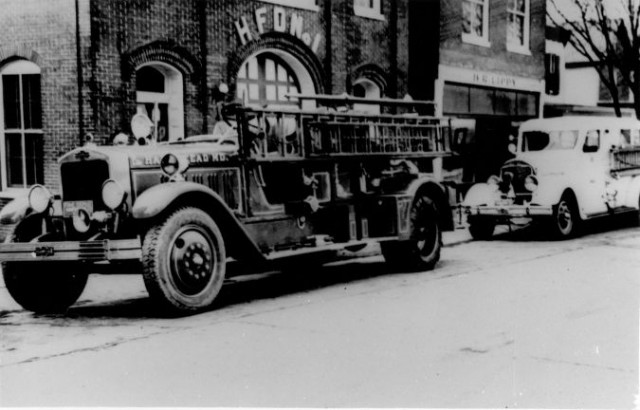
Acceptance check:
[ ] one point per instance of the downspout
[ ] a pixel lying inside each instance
(79, 74)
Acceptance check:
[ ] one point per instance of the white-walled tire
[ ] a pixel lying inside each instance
(566, 219)
(184, 261)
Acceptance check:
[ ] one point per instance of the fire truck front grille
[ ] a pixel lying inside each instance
(516, 173)
(82, 181)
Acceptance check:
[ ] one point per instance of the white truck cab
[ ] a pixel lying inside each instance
(565, 170)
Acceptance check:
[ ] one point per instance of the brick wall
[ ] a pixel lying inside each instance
(455, 52)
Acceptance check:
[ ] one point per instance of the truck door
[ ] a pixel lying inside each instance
(595, 171)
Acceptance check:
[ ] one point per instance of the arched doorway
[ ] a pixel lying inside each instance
(159, 95)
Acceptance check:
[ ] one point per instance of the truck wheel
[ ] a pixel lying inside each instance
(481, 229)
(422, 250)
(41, 287)
(184, 261)
(566, 219)
(44, 287)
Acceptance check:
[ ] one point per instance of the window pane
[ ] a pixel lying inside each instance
(243, 71)
(31, 101)
(269, 70)
(14, 160)
(456, 99)
(527, 104)
(282, 73)
(253, 92)
(472, 14)
(481, 100)
(241, 91)
(271, 92)
(149, 79)
(11, 100)
(253, 68)
(34, 158)
(516, 29)
(282, 93)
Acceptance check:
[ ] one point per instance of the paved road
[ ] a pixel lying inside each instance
(515, 322)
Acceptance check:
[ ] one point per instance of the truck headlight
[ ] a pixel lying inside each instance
(112, 194)
(39, 198)
(531, 183)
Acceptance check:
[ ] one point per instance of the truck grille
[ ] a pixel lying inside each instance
(518, 170)
(83, 181)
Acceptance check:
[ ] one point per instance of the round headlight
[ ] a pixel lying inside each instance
(112, 194)
(531, 183)
(493, 180)
(170, 164)
(39, 198)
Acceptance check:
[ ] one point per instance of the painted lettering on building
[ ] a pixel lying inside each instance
(276, 21)
(494, 80)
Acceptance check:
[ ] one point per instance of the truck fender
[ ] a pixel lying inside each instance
(633, 196)
(440, 195)
(15, 211)
(157, 199)
(481, 194)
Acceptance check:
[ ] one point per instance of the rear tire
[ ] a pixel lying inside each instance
(422, 250)
(184, 261)
(481, 229)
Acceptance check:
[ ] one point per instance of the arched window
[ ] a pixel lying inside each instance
(366, 88)
(265, 79)
(21, 143)
(159, 95)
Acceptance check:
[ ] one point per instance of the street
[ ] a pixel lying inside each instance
(519, 321)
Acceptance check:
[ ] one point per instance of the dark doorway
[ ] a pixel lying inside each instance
(492, 138)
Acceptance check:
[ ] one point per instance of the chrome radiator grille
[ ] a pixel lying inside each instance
(515, 174)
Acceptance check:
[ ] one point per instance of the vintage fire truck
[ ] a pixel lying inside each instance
(269, 187)
(566, 170)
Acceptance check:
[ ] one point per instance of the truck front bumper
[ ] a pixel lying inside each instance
(509, 211)
(81, 251)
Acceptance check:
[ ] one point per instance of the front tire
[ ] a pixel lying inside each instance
(566, 219)
(41, 287)
(481, 229)
(184, 261)
(422, 250)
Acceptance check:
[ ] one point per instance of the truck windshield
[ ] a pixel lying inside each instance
(549, 140)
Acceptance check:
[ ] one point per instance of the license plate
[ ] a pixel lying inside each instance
(69, 207)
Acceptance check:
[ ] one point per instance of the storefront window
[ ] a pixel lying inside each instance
(460, 99)
(159, 96)
(518, 25)
(266, 80)
(475, 22)
(21, 140)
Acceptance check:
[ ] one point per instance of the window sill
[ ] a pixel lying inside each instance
(368, 13)
(294, 3)
(476, 41)
(518, 50)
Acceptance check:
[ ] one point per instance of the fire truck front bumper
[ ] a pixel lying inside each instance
(81, 251)
(509, 211)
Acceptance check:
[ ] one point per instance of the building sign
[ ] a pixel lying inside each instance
(249, 29)
(494, 80)
(489, 79)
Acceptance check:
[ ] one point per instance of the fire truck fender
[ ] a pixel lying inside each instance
(439, 193)
(163, 198)
(15, 211)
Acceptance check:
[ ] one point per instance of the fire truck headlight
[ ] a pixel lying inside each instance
(170, 164)
(112, 194)
(39, 198)
(531, 183)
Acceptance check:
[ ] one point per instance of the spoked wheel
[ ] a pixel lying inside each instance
(422, 250)
(184, 261)
(566, 219)
(42, 287)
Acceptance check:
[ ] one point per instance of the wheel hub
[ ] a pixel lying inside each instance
(192, 260)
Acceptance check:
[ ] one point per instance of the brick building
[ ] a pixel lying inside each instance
(483, 62)
(74, 67)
